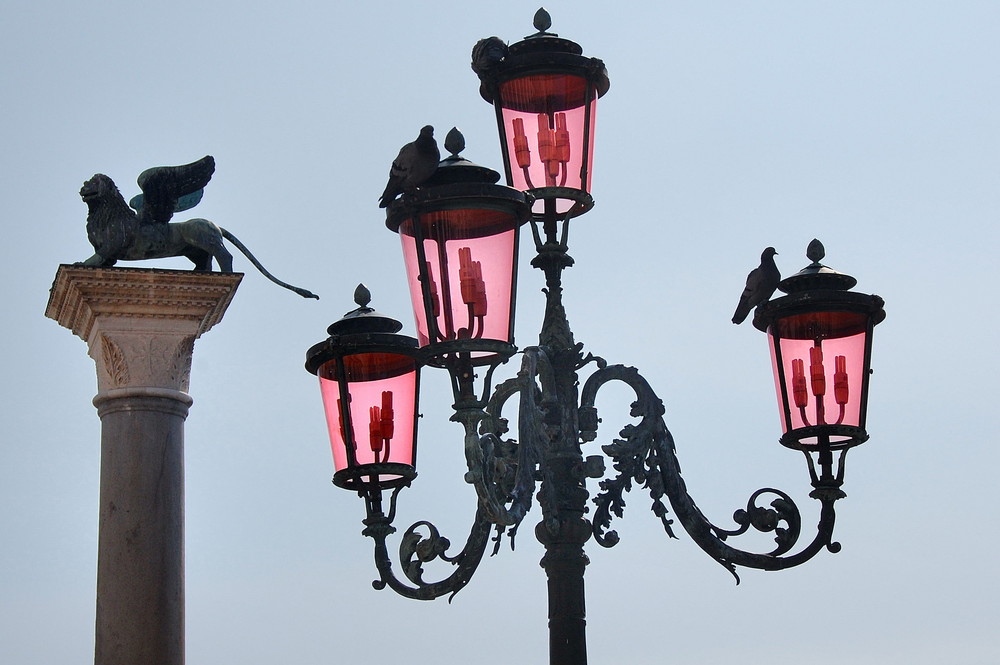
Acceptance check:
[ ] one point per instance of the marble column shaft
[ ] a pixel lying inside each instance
(140, 326)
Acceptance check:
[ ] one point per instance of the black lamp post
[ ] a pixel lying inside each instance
(459, 236)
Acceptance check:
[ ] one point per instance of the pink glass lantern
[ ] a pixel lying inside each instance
(369, 380)
(459, 234)
(820, 336)
(545, 93)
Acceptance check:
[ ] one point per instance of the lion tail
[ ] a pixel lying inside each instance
(253, 259)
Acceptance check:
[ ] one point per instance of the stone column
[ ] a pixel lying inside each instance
(140, 326)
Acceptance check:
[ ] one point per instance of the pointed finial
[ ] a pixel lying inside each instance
(542, 21)
(815, 251)
(362, 296)
(454, 142)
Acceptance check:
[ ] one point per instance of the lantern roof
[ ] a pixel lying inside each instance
(364, 319)
(460, 182)
(542, 52)
(361, 330)
(457, 169)
(816, 275)
(543, 40)
(817, 287)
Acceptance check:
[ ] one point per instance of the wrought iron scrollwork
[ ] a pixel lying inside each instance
(504, 470)
(418, 548)
(645, 455)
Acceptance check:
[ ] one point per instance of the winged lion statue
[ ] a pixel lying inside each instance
(119, 233)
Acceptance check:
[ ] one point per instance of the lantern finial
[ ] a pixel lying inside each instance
(815, 251)
(542, 21)
(454, 142)
(816, 275)
(362, 296)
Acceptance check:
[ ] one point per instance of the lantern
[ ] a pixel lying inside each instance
(369, 379)
(545, 94)
(459, 234)
(820, 336)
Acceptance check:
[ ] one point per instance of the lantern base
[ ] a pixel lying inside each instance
(366, 477)
(824, 437)
(477, 352)
(581, 202)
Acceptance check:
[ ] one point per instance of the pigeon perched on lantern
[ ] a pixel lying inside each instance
(761, 283)
(415, 163)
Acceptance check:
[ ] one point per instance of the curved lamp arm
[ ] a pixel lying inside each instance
(503, 470)
(503, 474)
(645, 454)
(418, 548)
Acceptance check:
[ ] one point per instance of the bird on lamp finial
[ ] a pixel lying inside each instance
(415, 163)
(761, 283)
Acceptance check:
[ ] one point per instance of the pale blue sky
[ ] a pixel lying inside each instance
(729, 126)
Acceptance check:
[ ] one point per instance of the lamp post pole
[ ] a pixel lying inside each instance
(140, 326)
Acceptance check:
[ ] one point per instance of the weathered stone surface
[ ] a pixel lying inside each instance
(140, 324)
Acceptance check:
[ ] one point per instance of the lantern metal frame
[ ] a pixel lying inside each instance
(544, 460)
(364, 331)
(459, 184)
(543, 54)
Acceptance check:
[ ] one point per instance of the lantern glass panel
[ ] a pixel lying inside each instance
(468, 256)
(821, 374)
(546, 119)
(381, 418)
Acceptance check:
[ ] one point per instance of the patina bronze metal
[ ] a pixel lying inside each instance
(119, 233)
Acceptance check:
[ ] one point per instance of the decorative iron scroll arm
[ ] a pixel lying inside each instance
(645, 454)
(503, 471)
(416, 549)
(503, 474)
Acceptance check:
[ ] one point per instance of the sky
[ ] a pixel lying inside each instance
(729, 126)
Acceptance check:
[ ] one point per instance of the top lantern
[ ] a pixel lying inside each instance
(545, 93)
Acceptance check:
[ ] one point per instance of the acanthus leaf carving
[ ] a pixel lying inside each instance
(115, 365)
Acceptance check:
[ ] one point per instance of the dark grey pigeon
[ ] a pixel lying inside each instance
(761, 283)
(415, 163)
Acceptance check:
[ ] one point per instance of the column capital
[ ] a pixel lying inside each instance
(140, 323)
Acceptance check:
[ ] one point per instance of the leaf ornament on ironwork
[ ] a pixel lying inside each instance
(645, 455)
(416, 550)
(782, 511)
(508, 465)
(633, 455)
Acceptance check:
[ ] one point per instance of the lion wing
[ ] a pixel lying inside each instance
(163, 186)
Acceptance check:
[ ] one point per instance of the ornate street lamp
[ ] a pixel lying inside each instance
(369, 377)
(820, 338)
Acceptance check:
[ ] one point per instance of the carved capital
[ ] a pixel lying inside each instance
(127, 359)
(140, 324)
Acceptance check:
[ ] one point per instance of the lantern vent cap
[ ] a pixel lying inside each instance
(816, 276)
(544, 40)
(364, 319)
(457, 169)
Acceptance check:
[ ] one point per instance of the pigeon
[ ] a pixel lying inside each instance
(415, 163)
(487, 53)
(761, 283)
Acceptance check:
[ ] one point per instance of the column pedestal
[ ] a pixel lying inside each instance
(140, 326)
